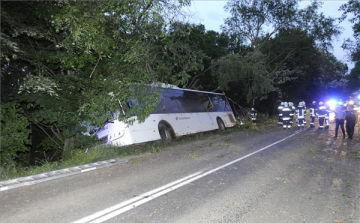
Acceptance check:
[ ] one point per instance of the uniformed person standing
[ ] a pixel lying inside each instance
(304, 104)
(339, 119)
(313, 110)
(253, 114)
(280, 108)
(327, 116)
(321, 113)
(292, 107)
(351, 120)
(287, 116)
(300, 114)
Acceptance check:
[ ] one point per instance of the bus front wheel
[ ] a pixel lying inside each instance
(221, 124)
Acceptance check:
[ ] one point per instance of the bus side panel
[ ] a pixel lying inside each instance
(145, 131)
(189, 123)
(207, 121)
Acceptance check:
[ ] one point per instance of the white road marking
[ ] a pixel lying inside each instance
(120, 208)
(4, 188)
(88, 169)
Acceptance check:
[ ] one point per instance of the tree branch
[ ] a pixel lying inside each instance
(92, 72)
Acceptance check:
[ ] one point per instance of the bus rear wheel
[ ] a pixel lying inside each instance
(221, 124)
(166, 132)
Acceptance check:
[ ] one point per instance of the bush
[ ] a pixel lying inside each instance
(15, 132)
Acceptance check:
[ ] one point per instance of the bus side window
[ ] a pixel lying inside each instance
(161, 108)
(220, 103)
(206, 102)
(170, 102)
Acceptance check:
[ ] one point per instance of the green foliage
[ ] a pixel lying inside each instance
(295, 44)
(247, 71)
(352, 7)
(249, 19)
(320, 28)
(37, 84)
(14, 132)
(69, 62)
(180, 54)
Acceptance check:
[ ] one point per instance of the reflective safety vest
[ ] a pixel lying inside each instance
(280, 108)
(287, 113)
(313, 110)
(300, 112)
(321, 112)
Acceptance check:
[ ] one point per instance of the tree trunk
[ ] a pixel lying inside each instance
(69, 142)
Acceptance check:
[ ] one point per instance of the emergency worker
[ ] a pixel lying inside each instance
(327, 115)
(300, 114)
(351, 120)
(292, 107)
(280, 108)
(313, 110)
(253, 114)
(321, 113)
(304, 104)
(287, 116)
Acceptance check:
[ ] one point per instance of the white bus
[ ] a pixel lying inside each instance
(180, 112)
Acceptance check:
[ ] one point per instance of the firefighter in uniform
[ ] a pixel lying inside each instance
(300, 114)
(253, 115)
(292, 107)
(304, 104)
(321, 113)
(313, 110)
(327, 116)
(287, 116)
(280, 108)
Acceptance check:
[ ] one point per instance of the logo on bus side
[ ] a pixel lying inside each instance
(182, 118)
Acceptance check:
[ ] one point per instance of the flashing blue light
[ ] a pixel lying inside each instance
(359, 96)
(332, 104)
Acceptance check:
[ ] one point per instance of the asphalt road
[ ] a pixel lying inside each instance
(270, 175)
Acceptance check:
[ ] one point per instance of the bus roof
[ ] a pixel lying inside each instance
(170, 86)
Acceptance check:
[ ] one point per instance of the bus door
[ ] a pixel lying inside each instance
(209, 122)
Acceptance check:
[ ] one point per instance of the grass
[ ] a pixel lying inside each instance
(346, 196)
(195, 155)
(356, 154)
(72, 158)
(79, 157)
(220, 156)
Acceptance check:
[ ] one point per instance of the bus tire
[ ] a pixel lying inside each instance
(166, 131)
(221, 124)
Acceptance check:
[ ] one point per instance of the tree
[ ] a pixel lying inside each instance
(353, 7)
(250, 19)
(247, 73)
(67, 62)
(283, 33)
(179, 54)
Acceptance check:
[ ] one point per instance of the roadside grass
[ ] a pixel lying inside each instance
(356, 154)
(75, 157)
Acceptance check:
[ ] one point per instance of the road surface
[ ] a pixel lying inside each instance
(269, 175)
